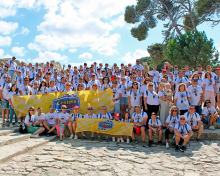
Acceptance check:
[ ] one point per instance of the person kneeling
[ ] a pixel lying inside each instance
(154, 125)
(72, 121)
(183, 133)
(62, 122)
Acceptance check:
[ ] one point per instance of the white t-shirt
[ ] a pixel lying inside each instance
(3, 78)
(19, 81)
(183, 130)
(209, 84)
(61, 86)
(106, 116)
(123, 90)
(140, 67)
(105, 86)
(192, 120)
(23, 70)
(182, 100)
(6, 88)
(34, 91)
(124, 120)
(155, 124)
(12, 65)
(43, 90)
(203, 74)
(195, 94)
(25, 90)
(139, 117)
(155, 74)
(172, 121)
(38, 118)
(32, 74)
(63, 117)
(116, 93)
(52, 89)
(27, 121)
(135, 97)
(93, 116)
(179, 81)
(90, 83)
(208, 111)
(51, 117)
(74, 117)
(152, 97)
(188, 73)
(10, 96)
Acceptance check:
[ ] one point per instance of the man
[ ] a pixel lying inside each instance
(140, 67)
(155, 73)
(156, 88)
(95, 67)
(56, 78)
(196, 94)
(70, 69)
(4, 90)
(22, 69)
(1, 67)
(36, 67)
(209, 69)
(38, 79)
(139, 119)
(12, 67)
(188, 73)
(51, 69)
(117, 95)
(104, 115)
(25, 89)
(199, 68)
(106, 69)
(175, 72)
(193, 120)
(72, 121)
(61, 85)
(85, 67)
(89, 86)
(50, 120)
(180, 80)
(139, 78)
(4, 75)
(39, 118)
(183, 133)
(19, 80)
(100, 66)
(154, 125)
(46, 68)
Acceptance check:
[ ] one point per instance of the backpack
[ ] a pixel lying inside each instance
(106, 115)
(185, 126)
(23, 128)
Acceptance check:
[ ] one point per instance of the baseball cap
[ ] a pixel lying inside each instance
(138, 130)
(95, 63)
(92, 74)
(217, 69)
(85, 63)
(51, 64)
(199, 65)
(116, 115)
(76, 107)
(122, 64)
(69, 65)
(153, 113)
(164, 70)
(90, 108)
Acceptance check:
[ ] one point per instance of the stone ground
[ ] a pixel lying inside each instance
(77, 157)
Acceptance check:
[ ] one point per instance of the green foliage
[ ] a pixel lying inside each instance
(156, 52)
(149, 61)
(191, 49)
(188, 22)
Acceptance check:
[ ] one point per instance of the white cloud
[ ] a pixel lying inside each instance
(88, 63)
(72, 50)
(7, 27)
(6, 56)
(24, 31)
(140, 53)
(49, 56)
(4, 12)
(1, 52)
(5, 41)
(19, 51)
(107, 50)
(85, 56)
(119, 22)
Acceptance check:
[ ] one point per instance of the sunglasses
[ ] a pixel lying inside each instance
(208, 102)
(174, 110)
(182, 118)
(63, 108)
(51, 108)
(135, 84)
(191, 109)
(90, 109)
(165, 77)
(94, 86)
(150, 85)
(31, 110)
(107, 79)
(79, 86)
(25, 80)
(114, 83)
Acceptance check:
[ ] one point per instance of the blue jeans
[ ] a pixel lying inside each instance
(12, 112)
(11, 74)
(199, 109)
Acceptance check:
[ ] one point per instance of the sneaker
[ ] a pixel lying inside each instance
(134, 142)
(167, 145)
(35, 136)
(118, 140)
(84, 137)
(213, 127)
(11, 125)
(76, 137)
(92, 138)
(150, 143)
(210, 127)
(182, 148)
(71, 136)
(144, 144)
(177, 148)
(198, 140)
(17, 124)
(160, 143)
(113, 139)
(107, 140)
(3, 122)
(128, 141)
(122, 140)
(48, 134)
(99, 139)
(7, 121)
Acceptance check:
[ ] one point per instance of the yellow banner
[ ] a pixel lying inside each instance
(86, 98)
(104, 126)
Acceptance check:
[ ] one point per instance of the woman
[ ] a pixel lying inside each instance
(43, 87)
(67, 87)
(209, 114)
(29, 121)
(79, 87)
(164, 103)
(105, 83)
(182, 98)
(62, 122)
(13, 91)
(35, 88)
(146, 75)
(134, 97)
(151, 101)
(144, 89)
(94, 86)
(197, 76)
(127, 73)
(171, 121)
(124, 99)
(86, 77)
(209, 88)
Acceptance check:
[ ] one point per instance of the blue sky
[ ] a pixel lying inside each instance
(75, 32)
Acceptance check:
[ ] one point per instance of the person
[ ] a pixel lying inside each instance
(134, 97)
(117, 119)
(19, 80)
(196, 95)
(193, 119)
(209, 88)
(34, 89)
(139, 119)
(31, 74)
(90, 115)
(182, 98)
(126, 119)
(154, 73)
(12, 67)
(151, 101)
(13, 91)
(179, 80)
(72, 121)
(39, 118)
(104, 115)
(90, 83)
(124, 98)
(46, 68)
(62, 122)
(42, 89)
(4, 90)
(105, 83)
(29, 121)
(183, 133)
(154, 125)
(139, 66)
(53, 88)
(22, 69)
(25, 89)
(4, 75)
(171, 121)
(209, 114)
(50, 120)
(117, 95)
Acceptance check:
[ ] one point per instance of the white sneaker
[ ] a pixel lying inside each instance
(210, 127)
(71, 136)
(11, 125)
(128, 141)
(113, 139)
(122, 140)
(118, 140)
(76, 137)
(35, 136)
(17, 124)
(213, 127)
(167, 145)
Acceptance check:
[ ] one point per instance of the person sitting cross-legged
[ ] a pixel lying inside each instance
(154, 125)
(183, 133)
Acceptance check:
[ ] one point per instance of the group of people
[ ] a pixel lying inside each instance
(163, 99)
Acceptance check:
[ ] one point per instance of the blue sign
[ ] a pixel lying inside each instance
(105, 125)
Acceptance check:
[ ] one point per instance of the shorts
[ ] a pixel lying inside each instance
(116, 108)
(124, 100)
(5, 105)
(32, 129)
(205, 121)
(134, 130)
(50, 125)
